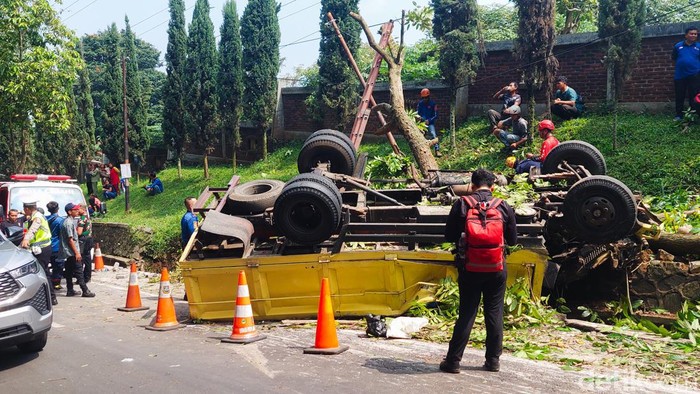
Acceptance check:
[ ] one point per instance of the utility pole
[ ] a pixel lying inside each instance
(127, 204)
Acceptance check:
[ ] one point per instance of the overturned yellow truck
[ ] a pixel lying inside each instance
(383, 249)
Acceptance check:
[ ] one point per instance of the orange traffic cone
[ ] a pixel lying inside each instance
(326, 337)
(133, 296)
(165, 315)
(97, 260)
(243, 323)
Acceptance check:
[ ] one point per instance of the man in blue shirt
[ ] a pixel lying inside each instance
(156, 186)
(428, 112)
(686, 55)
(57, 264)
(567, 103)
(189, 221)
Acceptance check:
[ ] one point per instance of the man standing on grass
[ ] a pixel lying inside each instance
(481, 226)
(686, 56)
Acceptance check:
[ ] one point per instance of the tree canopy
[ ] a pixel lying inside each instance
(39, 61)
(260, 28)
(231, 77)
(200, 75)
(336, 92)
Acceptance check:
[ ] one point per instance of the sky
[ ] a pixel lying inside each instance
(299, 21)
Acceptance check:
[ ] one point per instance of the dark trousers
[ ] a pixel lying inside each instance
(494, 117)
(44, 259)
(57, 267)
(86, 245)
(686, 88)
(471, 286)
(74, 269)
(565, 112)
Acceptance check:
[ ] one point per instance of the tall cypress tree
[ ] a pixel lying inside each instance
(86, 106)
(621, 21)
(201, 73)
(533, 49)
(261, 39)
(174, 131)
(230, 78)
(137, 107)
(336, 93)
(111, 109)
(455, 28)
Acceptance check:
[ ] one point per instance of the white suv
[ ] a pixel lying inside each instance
(25, 301)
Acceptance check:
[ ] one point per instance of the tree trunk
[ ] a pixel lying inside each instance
(233, 159)
(531, 116)
(415, 138)
(264, 145)
(206, 165)
(179, 168)
(453, 122)
(677, 244)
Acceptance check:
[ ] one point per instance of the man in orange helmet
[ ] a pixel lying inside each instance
(546, 131)
(428, 112)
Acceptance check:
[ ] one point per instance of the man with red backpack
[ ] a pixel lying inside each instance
(481, 226)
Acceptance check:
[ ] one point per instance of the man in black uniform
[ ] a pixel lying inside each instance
(476, 277)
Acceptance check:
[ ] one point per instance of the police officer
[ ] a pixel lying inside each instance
(38, 239)
(478, 277)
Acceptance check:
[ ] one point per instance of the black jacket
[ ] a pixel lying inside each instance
(458, 215)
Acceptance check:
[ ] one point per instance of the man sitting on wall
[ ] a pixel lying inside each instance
(512, 132)
(567, 103)
(509, 97)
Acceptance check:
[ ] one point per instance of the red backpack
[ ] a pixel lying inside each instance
(483, 228)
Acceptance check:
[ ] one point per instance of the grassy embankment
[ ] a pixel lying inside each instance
(654, 157)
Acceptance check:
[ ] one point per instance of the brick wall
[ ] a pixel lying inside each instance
(651, 82)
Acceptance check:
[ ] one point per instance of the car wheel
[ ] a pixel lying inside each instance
(35, 345)
(331, 149)
(254, 197)
(575, 152)
(307, 212)
(600, 209)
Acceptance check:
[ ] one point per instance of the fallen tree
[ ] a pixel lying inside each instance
(398, 119)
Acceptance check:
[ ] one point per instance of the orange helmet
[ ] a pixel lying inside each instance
(510, 161)
(546, 125)
(425, 92)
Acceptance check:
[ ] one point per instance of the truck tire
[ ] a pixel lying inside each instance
(600, 209)
(575, 152)
(320, 179)
(307, 212)
(324, 148)
(339, 134)
(254, 197)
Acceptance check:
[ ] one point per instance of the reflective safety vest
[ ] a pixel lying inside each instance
(42, 237)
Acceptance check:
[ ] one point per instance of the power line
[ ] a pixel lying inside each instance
(77, 12)
(143, 20)
(288, 3)
(70, 5)
(296, 12)
(158, 25)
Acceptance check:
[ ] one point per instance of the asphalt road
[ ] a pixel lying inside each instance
(94, 348)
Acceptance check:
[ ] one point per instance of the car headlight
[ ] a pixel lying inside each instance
(31, 268)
